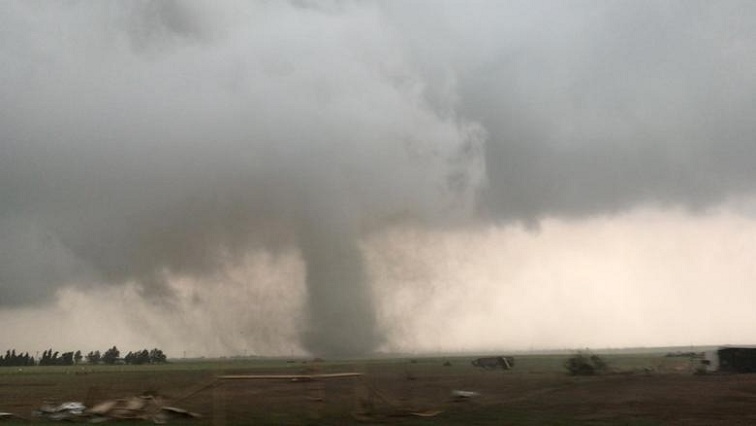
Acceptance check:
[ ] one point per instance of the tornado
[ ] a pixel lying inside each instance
(341, 315)
(167, 142)
(146, 145)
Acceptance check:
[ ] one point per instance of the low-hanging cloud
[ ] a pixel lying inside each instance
(595, 107)
(148, 140)
(144, 141)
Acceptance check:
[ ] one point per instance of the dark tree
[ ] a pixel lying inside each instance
(67, 358)
(157, 356)
(94, 357)
(154, 356)
(46, 358)
(111, 355)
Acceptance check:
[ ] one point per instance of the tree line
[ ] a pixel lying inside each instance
(110, 356)
(12, 359)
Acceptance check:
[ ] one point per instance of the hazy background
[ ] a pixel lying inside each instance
(346, 177)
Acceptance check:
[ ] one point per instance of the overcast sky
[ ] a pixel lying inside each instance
(348, 177)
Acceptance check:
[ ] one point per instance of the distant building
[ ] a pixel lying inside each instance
(731, 359)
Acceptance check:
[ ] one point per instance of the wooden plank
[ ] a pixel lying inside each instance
(288, 376)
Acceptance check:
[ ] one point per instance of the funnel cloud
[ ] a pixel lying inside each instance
(145, 143)
(148, 140)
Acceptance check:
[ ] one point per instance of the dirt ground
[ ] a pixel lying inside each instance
(535, 392)
(514, 398)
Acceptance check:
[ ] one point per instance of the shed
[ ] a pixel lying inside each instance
(737, 359)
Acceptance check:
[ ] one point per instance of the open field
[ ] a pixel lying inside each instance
(645, 389)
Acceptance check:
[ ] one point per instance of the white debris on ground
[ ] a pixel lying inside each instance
(146, 408)
(7, 416)
(461, 395)
(64, 411)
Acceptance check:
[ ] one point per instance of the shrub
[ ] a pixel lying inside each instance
(584, 364)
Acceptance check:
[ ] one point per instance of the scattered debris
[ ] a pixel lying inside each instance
(305, 377)
(8, 416)
(172, 413)
(132, 408)
(135, 407)
(461, 395)
(429, 413)
(494, 362)
(64, 411)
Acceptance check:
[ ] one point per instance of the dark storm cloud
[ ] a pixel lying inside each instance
(142, 140)
(600, 107)
(148, 140)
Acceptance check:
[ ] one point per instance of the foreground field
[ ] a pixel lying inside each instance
(640, 390)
